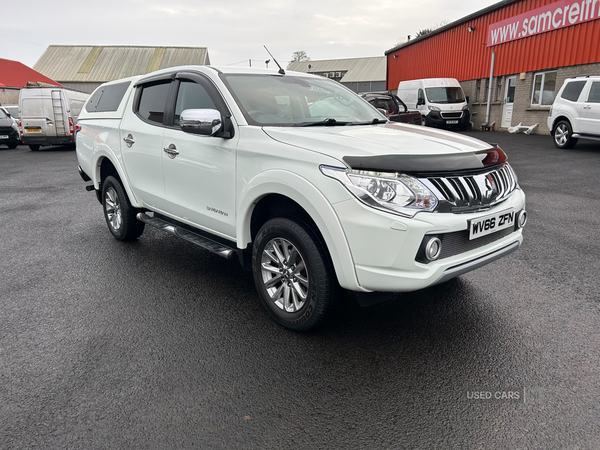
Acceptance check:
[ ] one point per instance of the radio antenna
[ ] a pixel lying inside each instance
(281, 71)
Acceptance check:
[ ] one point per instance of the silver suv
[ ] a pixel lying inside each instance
(575, 112)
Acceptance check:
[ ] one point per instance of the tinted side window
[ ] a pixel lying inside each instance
(93, 101)
(191, 96)
(153, 99)
(572, 90)
(112, 96)
(594, 96)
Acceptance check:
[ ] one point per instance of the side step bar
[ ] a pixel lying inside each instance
(194, 238)
(586, 136)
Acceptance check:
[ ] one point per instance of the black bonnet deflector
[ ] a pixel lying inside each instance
(457, 162)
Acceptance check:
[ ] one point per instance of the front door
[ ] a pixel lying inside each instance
(199, 172)
(509, 99)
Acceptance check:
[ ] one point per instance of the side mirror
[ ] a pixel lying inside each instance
(420, 101)
(467, 98)
(206, 122)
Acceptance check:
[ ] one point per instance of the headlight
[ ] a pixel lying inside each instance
(394, 192)
(466, 108)
(433, 108)
(15, 126)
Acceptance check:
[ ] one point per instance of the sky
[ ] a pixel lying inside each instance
(234, 31)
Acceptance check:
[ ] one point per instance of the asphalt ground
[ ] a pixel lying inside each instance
(161, 345)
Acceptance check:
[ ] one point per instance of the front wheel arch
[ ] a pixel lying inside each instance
(293, 274)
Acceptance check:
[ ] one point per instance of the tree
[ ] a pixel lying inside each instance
(425, 31)
(299, 56)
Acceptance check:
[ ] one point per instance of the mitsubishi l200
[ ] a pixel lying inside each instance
(299, 179)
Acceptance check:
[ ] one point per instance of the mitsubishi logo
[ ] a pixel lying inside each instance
(491, 190)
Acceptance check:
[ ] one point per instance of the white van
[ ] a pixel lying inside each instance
(441, 101)
(48, 115)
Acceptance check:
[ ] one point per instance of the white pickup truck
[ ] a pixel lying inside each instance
(299, 179)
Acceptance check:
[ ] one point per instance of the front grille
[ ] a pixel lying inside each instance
(6, 130)
(451, 115)
(474, 191)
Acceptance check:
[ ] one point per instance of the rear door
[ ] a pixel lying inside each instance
(141, 135)
(37, 116)
(590, 110)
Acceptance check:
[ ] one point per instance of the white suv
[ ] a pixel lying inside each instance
(576, 111)
(301, 180)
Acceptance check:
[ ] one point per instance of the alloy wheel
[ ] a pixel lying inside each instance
(284, 275)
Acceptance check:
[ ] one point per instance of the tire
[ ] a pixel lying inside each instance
(12, 146)
(118, 212)
(34, 148)
(299, 296)
(563, 135)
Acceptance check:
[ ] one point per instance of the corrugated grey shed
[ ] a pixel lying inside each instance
(106, 63)
(358, 69)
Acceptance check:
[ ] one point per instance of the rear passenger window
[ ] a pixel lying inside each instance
(152, 101)
(191, 96)
(594, 96)
(572, 90)
(107, 98)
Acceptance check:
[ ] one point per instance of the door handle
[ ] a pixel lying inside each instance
(129, 140)
(171, 151)
(587, 106)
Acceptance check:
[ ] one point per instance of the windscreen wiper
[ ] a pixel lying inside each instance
(371, 122)
(327, 122)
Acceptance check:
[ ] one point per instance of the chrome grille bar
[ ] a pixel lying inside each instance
(473, 192)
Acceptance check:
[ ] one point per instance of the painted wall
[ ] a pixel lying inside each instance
(465, 55)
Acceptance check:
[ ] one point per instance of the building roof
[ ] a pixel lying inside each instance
(476, 14)
(16, 74)
(87, 63)
(358, 69)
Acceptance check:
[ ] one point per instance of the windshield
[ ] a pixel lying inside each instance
(13, 111)
(452, 94)
(2, 114)
(293, 101)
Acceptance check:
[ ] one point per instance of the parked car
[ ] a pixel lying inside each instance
(441, 101)
(48, 115)
(575, 113)
(300, 180)
(394, 108)
(9, 129)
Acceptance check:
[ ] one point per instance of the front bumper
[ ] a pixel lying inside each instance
(12, 136)
(385, 246)
(437, 119)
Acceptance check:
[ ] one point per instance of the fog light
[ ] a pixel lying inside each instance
(433, 249)
(522, 219)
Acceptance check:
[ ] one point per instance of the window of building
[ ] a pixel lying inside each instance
(544, 84)
(499, 93)
(594, 96)
(478, 91)
(486, 88)
(152, 101)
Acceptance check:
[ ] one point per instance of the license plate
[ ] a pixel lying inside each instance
(33, 130)
(451, 122)
(490, 224)
(4, 136)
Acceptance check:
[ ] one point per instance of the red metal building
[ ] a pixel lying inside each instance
(537, 44)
